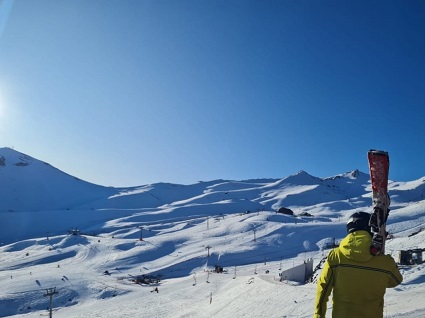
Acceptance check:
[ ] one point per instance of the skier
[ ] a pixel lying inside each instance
(358, 279)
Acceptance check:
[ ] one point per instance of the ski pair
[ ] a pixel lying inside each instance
(379, 164)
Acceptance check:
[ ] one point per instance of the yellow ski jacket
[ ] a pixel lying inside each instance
(357, 278)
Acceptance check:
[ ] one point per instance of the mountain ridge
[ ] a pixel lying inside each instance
(35, 185)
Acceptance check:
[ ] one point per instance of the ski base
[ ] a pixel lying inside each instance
(379, 167)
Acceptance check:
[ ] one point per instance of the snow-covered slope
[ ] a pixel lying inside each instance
(180, 233)
(30, 185)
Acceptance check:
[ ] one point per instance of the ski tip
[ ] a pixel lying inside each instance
(378, 152)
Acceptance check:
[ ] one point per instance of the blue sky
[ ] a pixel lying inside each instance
(125, 93)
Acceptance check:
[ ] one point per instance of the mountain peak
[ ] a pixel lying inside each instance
(36, 185)
(301, 178)
(9, 156)
(355, 173)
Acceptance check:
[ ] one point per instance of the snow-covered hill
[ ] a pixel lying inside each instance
(180, 233)
(32, 185)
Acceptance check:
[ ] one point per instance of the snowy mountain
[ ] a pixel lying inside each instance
(30, 184)
(180, 233)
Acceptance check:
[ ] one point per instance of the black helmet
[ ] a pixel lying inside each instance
(358, 221)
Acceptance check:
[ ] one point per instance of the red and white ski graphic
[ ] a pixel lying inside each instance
(379, 164)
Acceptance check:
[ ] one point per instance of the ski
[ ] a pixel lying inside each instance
(379, 164)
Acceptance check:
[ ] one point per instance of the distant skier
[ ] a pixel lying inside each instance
(358, 279)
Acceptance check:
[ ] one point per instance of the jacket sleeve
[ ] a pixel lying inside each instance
(396, 277)
(324, 289)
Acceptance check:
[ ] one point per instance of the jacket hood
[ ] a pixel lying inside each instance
(356, 246)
